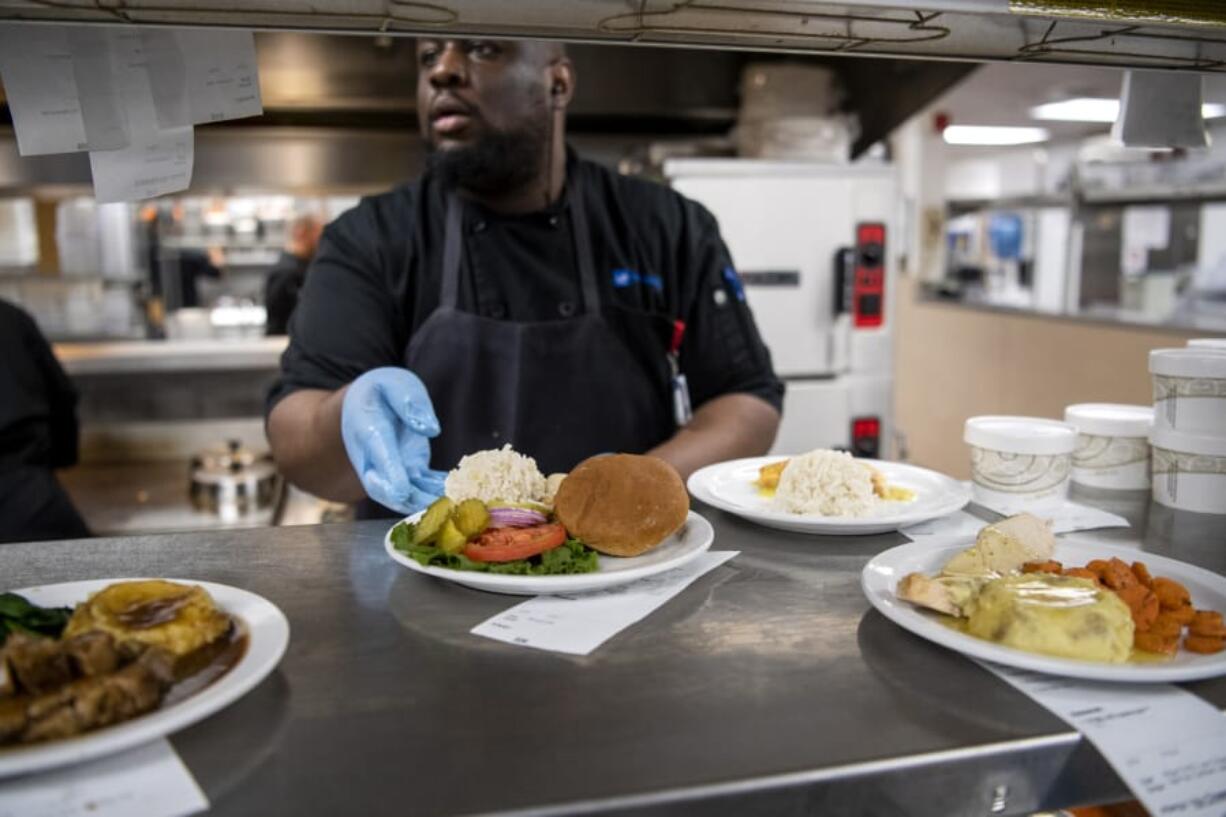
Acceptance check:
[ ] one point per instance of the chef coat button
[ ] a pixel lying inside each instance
(479, 227)
(553, 221)
(566, 309)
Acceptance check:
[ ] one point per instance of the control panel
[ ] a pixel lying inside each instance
(868, 282)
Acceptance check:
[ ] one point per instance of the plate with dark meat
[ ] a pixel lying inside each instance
(90, 668)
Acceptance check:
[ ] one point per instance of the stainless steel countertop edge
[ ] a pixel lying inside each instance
(794, 779)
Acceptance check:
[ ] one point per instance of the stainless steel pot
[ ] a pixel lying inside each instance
(234, 482)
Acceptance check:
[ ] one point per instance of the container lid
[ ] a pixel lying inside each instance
(1188, 362)
(1110, 419)
(1021, 435)
(1185, 443)
(1207, 343)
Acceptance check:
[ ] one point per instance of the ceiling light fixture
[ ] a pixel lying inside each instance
(992, 135)
(1101, 109)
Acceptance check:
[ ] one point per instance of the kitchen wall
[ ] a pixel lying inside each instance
(954, 362)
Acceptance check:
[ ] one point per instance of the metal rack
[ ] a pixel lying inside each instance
(1067, 31)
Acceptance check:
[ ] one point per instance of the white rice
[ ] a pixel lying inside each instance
(497, 475)
(826, 483)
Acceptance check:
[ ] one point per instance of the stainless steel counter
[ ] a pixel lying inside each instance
(768, 687)
(146, 356)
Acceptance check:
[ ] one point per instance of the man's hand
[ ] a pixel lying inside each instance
(386, 422)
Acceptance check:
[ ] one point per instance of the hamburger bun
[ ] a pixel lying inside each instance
(622, 504)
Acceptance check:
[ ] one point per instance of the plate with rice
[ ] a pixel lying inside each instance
(828, 492)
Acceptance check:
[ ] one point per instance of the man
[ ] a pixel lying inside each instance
(514, 294)
(38, 433)
(285, 279)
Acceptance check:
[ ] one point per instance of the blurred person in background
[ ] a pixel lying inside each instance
(287, 276)
(38, 433)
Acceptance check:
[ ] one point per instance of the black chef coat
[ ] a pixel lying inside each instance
(281, 289)
(38, 432)
(376, 278)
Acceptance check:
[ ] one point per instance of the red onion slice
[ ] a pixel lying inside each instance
(515, 518)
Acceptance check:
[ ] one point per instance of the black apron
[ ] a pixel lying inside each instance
(559, 391)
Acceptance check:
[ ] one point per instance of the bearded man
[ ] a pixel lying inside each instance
(513, 294)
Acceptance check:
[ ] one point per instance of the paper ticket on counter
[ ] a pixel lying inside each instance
(578, 624)
(150, 780)
(1167, 745)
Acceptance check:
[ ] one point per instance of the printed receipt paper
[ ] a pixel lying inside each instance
(1167, 745)
(580, 623)
(157, 160)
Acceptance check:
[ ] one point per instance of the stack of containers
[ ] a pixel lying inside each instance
(1189, 435)
(1112, 445)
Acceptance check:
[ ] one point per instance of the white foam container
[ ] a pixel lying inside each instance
(1112, 445)
(1019, 462)
(1208, 343)
(1189, 471)
(1189, 390)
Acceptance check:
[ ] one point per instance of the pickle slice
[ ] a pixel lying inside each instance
(471, 517)
(450, 540)
(431, 522)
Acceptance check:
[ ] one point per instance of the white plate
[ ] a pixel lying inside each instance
(1208, 590)
(694, 538)
(730, 486)
(267, 634)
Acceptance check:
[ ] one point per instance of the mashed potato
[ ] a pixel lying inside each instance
(826, 483)
(180, 618)
(497, 475)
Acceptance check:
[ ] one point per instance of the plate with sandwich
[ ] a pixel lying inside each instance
(828, 492)
(1017, 596)
(504, 527)
(90, 668)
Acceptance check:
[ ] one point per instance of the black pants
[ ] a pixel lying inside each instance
(35, 507)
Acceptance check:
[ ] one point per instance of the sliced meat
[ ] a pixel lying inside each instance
(92, 653)
(57, 722)
(39, 664)
(8, 684)
(88, 703)
(13, 719)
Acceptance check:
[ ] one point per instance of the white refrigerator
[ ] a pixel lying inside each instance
(811, 243)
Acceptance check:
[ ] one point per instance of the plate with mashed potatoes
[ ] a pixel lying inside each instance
(1017, 596)
(128, 661)
(828, 492)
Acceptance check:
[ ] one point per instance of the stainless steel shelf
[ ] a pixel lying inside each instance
(978, 30)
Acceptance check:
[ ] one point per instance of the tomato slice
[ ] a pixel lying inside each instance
(509, 544)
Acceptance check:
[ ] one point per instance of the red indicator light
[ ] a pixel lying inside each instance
(863, 427)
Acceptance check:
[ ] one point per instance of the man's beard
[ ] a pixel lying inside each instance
(497, 161)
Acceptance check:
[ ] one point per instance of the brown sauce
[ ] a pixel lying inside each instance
(208, 664)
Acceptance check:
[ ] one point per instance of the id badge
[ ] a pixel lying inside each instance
(682, 412)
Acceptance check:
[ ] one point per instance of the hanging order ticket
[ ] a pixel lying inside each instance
(1167, 745)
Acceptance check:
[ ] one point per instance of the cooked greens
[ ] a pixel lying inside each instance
(17, 614)
(570, 557)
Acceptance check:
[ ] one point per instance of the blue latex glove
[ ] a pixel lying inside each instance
(386, 422)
